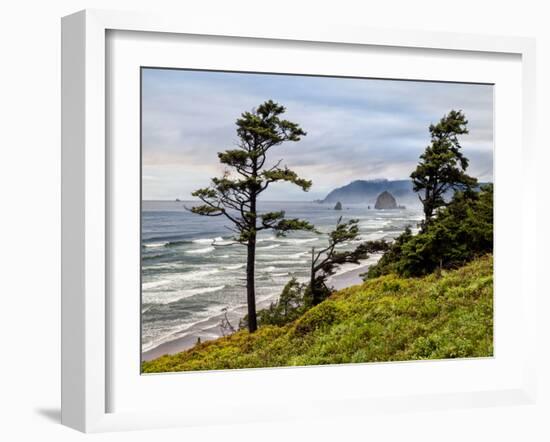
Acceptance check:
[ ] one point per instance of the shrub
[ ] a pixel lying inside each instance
(460, 232)
(291, 304)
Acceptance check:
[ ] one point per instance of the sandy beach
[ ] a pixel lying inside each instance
(349, 275)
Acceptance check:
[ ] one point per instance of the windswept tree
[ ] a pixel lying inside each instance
(442, 166)
(324, 261)
(235, 194)
(296, 297)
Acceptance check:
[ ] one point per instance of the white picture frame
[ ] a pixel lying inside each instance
(86, 208)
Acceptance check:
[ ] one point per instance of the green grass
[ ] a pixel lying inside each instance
(384, 319)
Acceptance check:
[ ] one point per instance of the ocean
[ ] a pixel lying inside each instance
(192, 272)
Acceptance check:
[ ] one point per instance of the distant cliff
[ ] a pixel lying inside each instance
(366, 191)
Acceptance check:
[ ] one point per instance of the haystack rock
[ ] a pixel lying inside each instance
(338, 206)
(385, 201)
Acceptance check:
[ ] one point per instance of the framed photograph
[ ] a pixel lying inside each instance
(292, 223)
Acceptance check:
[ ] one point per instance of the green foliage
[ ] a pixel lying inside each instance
(460, 232)
(325, 261)
(385, 319)
(452, 233)
(442, 165)
(387, 263)
(283, 226)
(235, 193)
(291, 304)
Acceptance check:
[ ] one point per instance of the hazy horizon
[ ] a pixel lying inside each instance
(357, 129)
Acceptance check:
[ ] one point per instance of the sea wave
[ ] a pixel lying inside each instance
(207, 240)
(155, 256)
(234, 267)
(269, 257)
(171, 297)
(175, 243)
(295, 240)
(272, 246)
(297, 255)
(200, 251)
(155, 245)
(288, 261)
(196, 275)
(374, 224)
(228, 242)
(159, 337)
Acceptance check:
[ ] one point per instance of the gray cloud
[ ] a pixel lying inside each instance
(356, 128)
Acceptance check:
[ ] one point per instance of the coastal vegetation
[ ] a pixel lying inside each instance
(442, 166)
(389, 318)
(459, 232)
(325, 260)
(296, 298)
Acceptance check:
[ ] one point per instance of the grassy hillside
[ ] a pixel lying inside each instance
(384, 319)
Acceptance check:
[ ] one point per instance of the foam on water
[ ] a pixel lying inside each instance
(167, 279)
(171, 297)
(288, 262)
(155, 244)
(203, 250)
(272, 246)
(207, 240)
(296, 240)
(235, 267)
(153, 337)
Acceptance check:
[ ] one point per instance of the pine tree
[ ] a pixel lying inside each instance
(325, 261)
(442, 166)
(235, 194)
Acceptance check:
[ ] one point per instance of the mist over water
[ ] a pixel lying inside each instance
(191, 269)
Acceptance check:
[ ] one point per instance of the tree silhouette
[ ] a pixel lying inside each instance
(235, 194)
(442, 166)
(326, 260)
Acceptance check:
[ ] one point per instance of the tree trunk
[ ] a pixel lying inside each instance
(250, 266)
(312, 277)
(250, 288)
(428, 206)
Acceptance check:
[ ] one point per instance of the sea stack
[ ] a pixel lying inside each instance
(385, 201)
(338, 206)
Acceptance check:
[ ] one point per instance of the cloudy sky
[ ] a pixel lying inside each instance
(356, 128)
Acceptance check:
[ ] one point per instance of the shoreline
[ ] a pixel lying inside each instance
(209, 329)
(349, 276)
